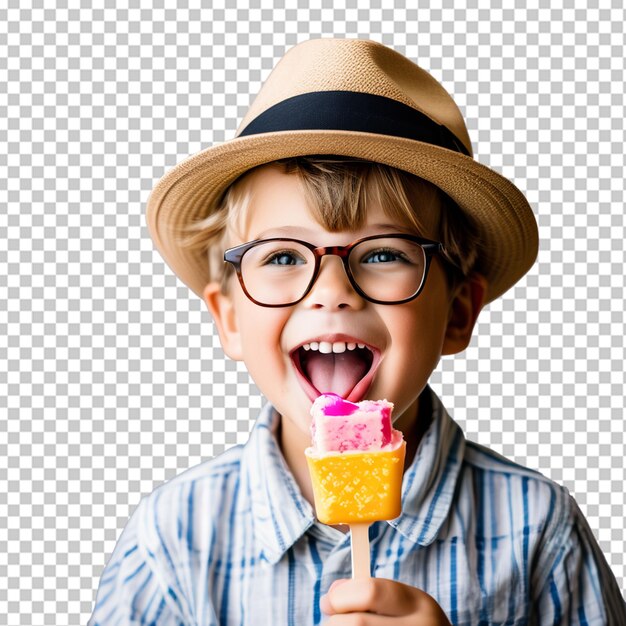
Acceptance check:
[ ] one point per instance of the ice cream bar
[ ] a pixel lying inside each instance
(356, 461)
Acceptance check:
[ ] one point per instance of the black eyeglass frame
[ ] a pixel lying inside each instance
(430, 248)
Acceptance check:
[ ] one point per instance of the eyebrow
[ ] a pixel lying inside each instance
(300, 232)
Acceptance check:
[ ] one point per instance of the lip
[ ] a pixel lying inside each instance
(360, 389)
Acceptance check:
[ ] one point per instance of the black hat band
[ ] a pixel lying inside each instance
(353, 111)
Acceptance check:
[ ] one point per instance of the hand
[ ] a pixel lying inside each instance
(380, 602)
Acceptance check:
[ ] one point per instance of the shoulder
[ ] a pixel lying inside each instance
(162, 542)
(545, 535)
(530, 508)
(537, 499)
(215, 471)
(208, 478)
(181, 513)
(484, 464)
(179, 528)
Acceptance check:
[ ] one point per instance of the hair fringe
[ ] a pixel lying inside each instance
(338, 191)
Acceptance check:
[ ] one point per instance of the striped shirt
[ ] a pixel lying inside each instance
(233, 541)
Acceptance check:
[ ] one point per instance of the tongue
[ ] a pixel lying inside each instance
(335, 373)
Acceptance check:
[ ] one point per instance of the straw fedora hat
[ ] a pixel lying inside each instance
(353, 98)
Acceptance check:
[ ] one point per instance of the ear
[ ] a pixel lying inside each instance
(465, 305)
(222, 310)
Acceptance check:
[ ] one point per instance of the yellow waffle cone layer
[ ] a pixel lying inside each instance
(357, 487)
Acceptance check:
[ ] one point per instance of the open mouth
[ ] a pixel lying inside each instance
(345, 368)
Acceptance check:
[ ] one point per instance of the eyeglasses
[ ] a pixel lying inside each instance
(384, 269)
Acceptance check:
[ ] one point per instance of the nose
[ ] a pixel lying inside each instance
(332, 289)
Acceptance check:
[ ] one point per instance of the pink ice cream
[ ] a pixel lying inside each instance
(339, 425)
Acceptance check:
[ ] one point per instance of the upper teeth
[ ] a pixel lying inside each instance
(326, 347)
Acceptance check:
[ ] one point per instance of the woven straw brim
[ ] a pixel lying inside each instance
(191, 190)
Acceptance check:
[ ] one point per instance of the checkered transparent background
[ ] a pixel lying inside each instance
(111, 378)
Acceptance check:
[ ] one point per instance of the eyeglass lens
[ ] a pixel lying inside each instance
(387, 269)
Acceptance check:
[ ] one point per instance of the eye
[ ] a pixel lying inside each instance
(383, 255)
(285, 257)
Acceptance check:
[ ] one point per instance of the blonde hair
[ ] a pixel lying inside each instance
(338, 191)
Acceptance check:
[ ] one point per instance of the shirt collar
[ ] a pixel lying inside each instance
(281, 515)
(430, 481)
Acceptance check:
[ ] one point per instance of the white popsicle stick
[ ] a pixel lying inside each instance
(360, 540)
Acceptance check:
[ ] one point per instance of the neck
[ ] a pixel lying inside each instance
(414, 423)
(293, 442)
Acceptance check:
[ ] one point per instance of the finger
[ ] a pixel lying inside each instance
(373, 595)
(366, 619)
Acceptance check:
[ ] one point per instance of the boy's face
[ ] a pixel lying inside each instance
(405, 340)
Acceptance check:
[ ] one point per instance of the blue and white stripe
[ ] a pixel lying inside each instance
(233, 542)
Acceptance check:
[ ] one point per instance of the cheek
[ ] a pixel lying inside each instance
(418, 334)
(261, 330)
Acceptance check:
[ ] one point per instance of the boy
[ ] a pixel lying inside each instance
(361, 240)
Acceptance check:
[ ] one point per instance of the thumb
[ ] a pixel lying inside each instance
(325, 604)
